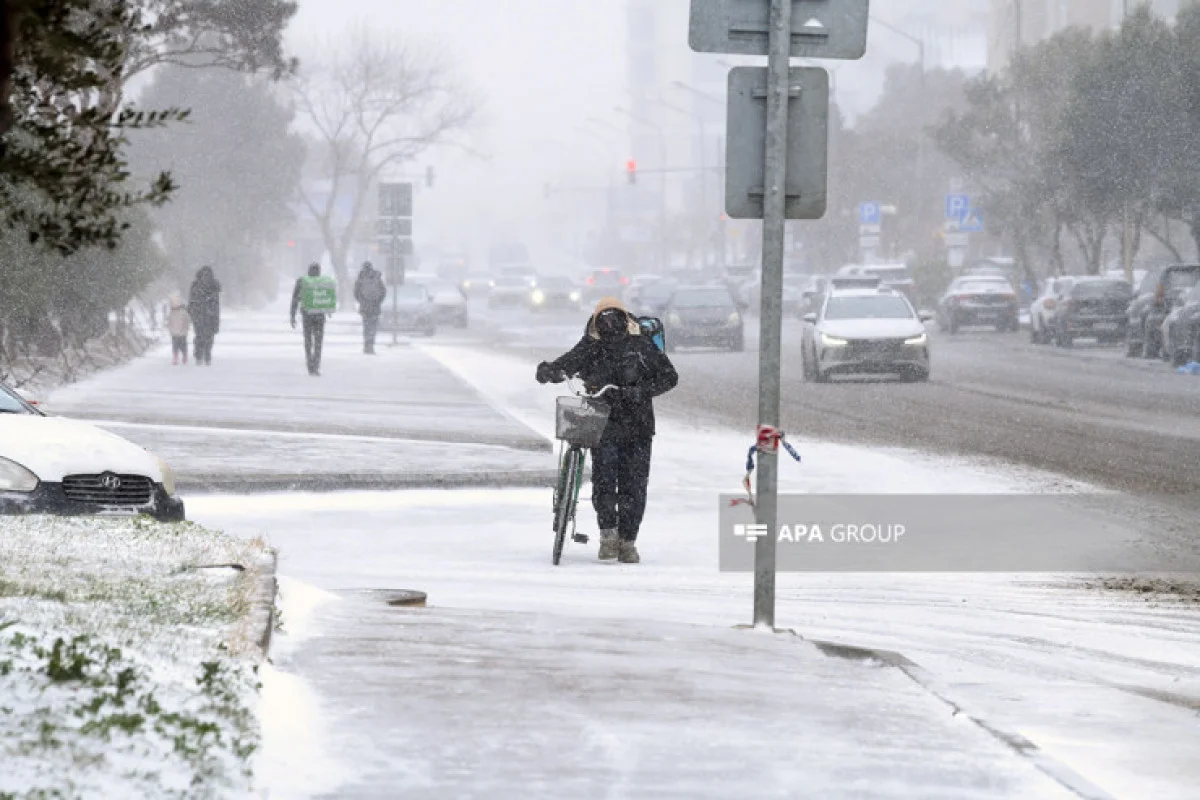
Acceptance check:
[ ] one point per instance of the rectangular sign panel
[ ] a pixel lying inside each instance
(820, 28)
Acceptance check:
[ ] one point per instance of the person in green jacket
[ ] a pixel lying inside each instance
(314, 324)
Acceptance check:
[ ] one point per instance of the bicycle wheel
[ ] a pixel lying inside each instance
(568, 492)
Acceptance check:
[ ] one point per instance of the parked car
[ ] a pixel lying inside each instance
(555, 292)
(511, 291)
(413, 311)
(706, 316)
(604, 282)
(1094, 307)
(51, 465)
(861, 330)
(652, 299)
(979, 300)
(449, 303)
(1181, 330)
(1160, 292)
(477, 283)
(1043, 308)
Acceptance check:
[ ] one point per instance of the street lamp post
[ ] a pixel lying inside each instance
(704, 209)
(723, 245)
(664, 250)
(919, 194)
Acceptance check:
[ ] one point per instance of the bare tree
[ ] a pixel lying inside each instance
(373, 102)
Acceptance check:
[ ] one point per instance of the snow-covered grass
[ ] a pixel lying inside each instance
(128, 658)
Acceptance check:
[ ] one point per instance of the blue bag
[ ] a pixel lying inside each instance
(653, 327)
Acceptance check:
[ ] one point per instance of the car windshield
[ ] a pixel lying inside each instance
(1105, 289)
(556, 283)
(983, 285)
(884, 306)
(703, 298)
(606, 276)
(10, 404)
(658, 290)
(511, 280)
(411, 292)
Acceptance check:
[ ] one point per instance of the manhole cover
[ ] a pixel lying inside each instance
(406, 597)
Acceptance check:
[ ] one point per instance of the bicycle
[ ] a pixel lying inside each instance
(579, 423)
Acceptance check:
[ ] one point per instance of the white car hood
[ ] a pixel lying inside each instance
(871, 328)
(52, 448)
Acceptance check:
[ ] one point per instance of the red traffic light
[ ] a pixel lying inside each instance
(631, 170)
(291, 243)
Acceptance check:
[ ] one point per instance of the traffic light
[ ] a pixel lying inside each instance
(429, 175)
(631, 171)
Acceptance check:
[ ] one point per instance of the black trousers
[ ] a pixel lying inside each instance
(314, 340)
(620, 476)
(204, 345)
(370, 328)
(179, 346)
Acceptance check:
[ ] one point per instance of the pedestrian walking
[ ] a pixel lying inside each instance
(204, 307)
(615, 351)
(178, 324)
(316, 297)
(370, 292)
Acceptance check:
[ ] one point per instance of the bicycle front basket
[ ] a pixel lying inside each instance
(581, 420)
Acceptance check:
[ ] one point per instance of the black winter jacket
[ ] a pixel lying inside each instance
(632, 360)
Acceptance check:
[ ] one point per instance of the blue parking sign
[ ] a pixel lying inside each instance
(957, 207)
(869, 214)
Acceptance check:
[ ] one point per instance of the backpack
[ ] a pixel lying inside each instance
(653, 327)
(318, 294)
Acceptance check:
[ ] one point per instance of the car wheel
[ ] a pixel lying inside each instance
(915, 376)
(1150, 343)
(738, 344)
(819, 376)
(1035, 333)
(1063, 339)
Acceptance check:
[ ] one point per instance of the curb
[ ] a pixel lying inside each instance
(529, 442)
(263, 484)
(263, 611)
(1062, 774)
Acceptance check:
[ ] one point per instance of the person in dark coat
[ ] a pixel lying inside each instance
(614, 351)
(204, 307)
(370, 292)
(314, 325)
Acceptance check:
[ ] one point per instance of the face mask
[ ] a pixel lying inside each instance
(611, 325)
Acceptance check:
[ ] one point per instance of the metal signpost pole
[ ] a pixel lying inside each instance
(771, 321)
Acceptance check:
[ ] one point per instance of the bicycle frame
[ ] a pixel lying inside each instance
(571, 462)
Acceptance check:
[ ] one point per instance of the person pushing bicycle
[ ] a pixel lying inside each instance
(613, 351)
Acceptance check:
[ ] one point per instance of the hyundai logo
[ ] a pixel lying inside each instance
(110, 482)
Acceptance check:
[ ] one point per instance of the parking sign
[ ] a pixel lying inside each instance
(869, 213)
(957, 206)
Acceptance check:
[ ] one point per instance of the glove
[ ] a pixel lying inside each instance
(547, 373)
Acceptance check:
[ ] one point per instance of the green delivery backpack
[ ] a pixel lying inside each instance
(318, 294)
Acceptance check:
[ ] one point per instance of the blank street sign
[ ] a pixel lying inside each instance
(820, 28)
(807, 150)
(395, 200)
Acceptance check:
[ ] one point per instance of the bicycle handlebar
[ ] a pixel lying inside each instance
(581, 391)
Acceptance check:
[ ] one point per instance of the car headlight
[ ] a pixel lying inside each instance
(168, 476)
(735, 318)
(16, 478)
(832, 341)
(539, 296)
(466, 284)
(921, 338)
(673, 319)
(576, 297)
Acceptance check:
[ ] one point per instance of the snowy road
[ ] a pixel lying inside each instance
(617, 681)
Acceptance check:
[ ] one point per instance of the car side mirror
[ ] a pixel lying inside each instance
(810, 318)
(925, 316)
